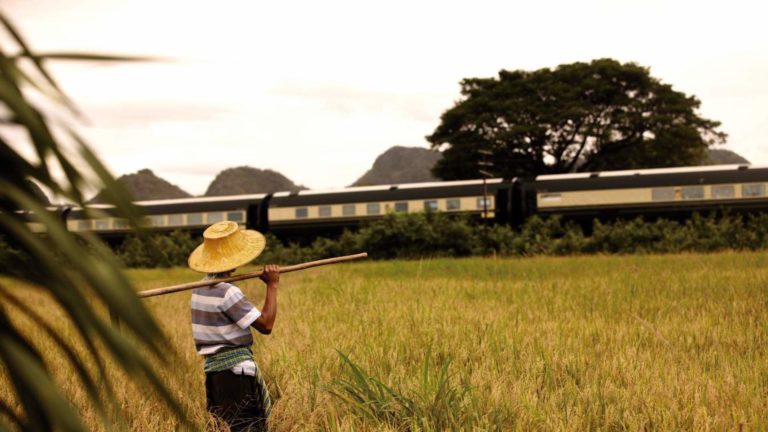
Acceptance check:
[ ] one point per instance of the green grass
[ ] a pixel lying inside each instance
(675, 342)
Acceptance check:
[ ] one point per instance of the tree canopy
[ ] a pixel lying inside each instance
(602, 115)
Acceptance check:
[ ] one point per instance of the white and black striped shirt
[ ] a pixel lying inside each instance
(221, 318)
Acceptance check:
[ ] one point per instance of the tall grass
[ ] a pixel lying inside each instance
(657, 342)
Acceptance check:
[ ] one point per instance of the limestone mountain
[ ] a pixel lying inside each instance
(723, 156)
(144, 185)
(248, 180)
(401, 165)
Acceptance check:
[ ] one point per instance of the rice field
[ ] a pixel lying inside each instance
(675, 342)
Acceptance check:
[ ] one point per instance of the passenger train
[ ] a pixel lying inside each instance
(669, 192)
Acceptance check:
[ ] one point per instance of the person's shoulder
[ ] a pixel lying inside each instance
(229, 289)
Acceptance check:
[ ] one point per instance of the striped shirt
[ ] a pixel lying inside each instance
(221, 318)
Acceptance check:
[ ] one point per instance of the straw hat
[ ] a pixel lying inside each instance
(226, 247)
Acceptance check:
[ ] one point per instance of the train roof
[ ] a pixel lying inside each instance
(388, 187)
(656, 177)
(650, 171)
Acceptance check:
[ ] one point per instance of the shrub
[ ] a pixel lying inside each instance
(431, 234)
(156, 250)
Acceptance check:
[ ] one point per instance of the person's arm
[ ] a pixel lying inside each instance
(271, 277)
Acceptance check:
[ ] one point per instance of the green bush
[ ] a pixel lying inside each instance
(158, 250)
(432, 234)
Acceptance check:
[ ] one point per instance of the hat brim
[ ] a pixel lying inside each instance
(252, 246)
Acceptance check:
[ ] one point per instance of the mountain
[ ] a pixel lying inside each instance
(145, 185)
(247, 180)
(723, 156)
(401, 165)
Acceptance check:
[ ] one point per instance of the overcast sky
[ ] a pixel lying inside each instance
(317, 89)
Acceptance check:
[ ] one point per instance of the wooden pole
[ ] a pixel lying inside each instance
(288, 269)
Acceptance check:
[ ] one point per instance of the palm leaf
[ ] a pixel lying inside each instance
(73, 270)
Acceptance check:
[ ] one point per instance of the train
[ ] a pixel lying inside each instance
(672, 193)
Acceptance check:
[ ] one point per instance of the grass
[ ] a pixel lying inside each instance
(675, 342)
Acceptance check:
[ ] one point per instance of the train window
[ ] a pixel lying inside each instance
(348, 210)
(723, 191)
(453, 204)
(753, 190)
(102, 224)
(84, 225)
(482, 202)
(120, 224)
(301, 212)
(236, 216)
(175, 220)
(663, 194)
(156, 220)
(373, 208)
(430, 205)
(401, 206)
(195, 219)
(551, 197)
(324, 211)
(215, 217)
(692, 192)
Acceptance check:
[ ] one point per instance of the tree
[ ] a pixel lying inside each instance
(79, 273)
(602, 115)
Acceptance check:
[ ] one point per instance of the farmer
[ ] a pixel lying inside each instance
(221, 321)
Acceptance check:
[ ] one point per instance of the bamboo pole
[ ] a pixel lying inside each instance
(287, 269)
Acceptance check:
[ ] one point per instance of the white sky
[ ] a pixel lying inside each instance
(317, 89)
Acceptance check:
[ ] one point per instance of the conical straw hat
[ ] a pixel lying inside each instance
(226, 247)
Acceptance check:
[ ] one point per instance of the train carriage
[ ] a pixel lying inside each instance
(326, 212)
(672, 193)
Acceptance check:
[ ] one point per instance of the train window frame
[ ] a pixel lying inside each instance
(453, 204)
(430, 205)
(373, 208)
(156, 220)
(192, 217)
(663, 194)
(481, 200)
(324, 211)
(301, 213)
(214, 217)
(757, 188)
(723, 191)
(551, 197)
(239, 216)
(348, 210)
(175, 219)
(692, 193)
(401, 207)
(120, 223)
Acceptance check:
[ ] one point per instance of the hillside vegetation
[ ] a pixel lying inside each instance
(247, 180)
(144, 185)
(401, 165)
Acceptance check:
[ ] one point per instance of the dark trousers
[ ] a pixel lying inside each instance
(237, 400)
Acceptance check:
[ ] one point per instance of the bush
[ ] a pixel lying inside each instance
(158, 250)
(434, 234)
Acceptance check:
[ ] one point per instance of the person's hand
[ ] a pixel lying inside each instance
(271, 274)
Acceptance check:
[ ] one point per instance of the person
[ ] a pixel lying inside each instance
(221, 320)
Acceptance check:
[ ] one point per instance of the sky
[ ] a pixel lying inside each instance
(316, 90)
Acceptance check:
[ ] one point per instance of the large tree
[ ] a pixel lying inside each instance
(602, 115)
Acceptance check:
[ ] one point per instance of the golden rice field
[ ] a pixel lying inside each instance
(581, 343)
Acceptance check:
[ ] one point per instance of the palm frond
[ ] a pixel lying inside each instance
(78, 272)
